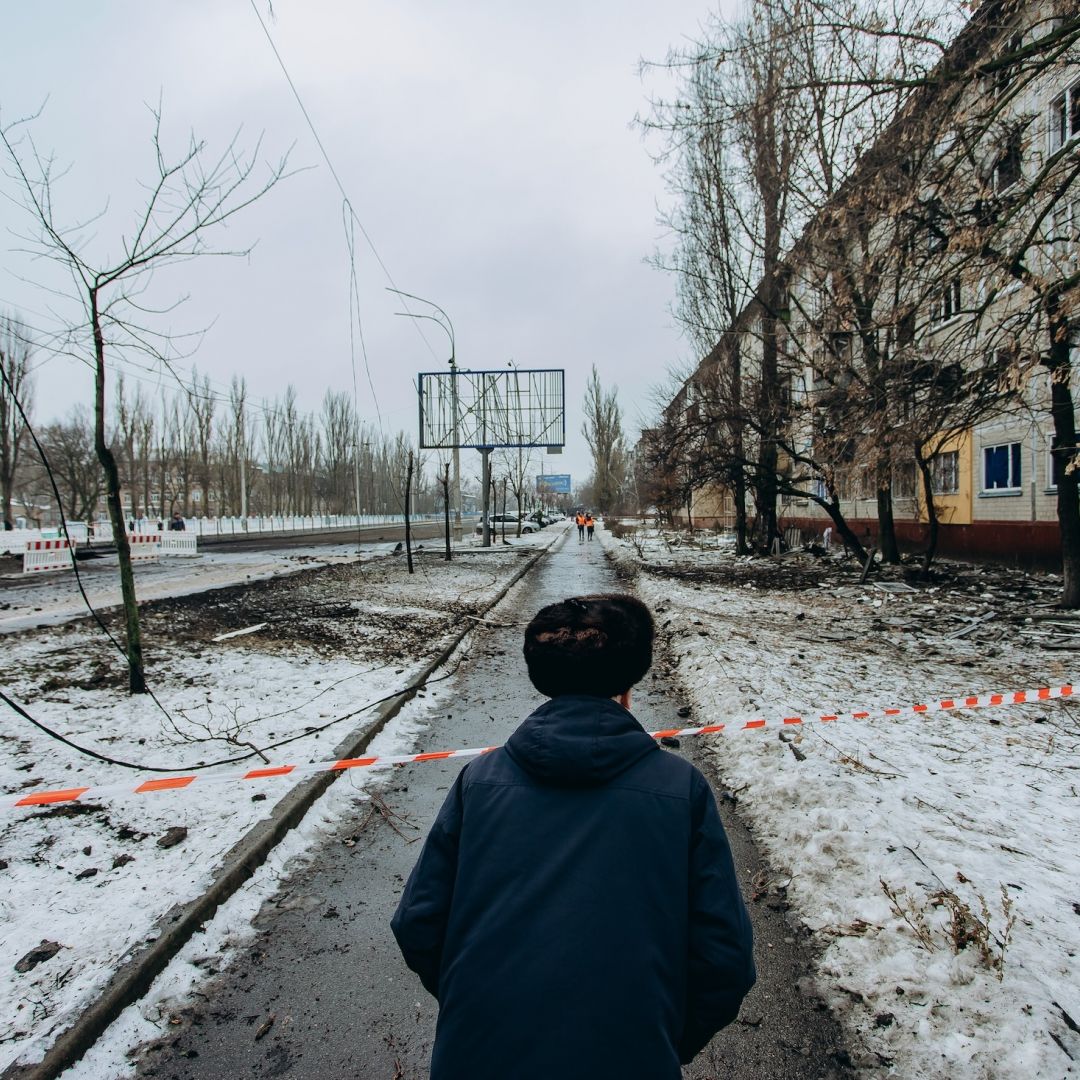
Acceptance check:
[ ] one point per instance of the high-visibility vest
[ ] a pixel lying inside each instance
(581, 519)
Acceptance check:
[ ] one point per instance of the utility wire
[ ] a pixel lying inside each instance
(330, 164)
(17, 708)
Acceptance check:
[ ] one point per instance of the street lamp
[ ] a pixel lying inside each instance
(448, 327)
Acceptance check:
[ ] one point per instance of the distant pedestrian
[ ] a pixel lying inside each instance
(177, 524)
(580, 519)
(590, 524)
(575, 909)
(826, 539)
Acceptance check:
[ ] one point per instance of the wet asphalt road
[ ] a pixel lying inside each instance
(326, 969)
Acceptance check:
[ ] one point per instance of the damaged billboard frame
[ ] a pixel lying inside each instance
(492, 409)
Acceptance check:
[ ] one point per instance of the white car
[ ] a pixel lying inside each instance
(511, 522)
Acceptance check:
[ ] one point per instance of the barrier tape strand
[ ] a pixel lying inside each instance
(174, 783)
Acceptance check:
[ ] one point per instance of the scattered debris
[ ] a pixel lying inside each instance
(241, 633)
(174, 836)
(790, 739)
(38, 955)
(965, 630)
(265, 1026)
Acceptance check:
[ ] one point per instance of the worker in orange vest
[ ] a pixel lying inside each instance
(580, 526)
(590, 524)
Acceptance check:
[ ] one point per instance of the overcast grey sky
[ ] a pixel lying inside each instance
(487, 148)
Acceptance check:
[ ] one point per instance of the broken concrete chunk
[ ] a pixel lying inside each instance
(174, 836)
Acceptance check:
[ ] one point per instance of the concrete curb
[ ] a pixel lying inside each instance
(134, 977)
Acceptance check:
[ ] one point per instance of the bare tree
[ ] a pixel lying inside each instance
(603, 431)
(202, 404)
(772, 115)
(69, 449)
(338, 427)
(189, 196)
(16, 405)
(238, 466)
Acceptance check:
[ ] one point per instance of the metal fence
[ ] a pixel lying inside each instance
(14, 541)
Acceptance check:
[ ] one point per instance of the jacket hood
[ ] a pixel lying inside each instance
(579, 741)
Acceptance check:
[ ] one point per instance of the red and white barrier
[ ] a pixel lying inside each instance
(46, 555)
(144, 546)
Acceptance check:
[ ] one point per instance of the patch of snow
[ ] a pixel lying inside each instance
(935, 858)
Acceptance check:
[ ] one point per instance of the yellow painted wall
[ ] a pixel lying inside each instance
(954, 509)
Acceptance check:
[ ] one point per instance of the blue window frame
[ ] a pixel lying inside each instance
(1001, 467)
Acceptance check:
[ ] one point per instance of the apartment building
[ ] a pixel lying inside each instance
(931, 313)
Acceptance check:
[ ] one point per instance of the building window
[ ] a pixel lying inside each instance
(1064, 117)
(945, 472)
(937, 234)
(1001, 467)
(1002, 77)
(1065, 230)
(903, 481)
(1009, 167)
(945, 301)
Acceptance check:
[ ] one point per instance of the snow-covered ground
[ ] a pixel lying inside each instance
(935, 857)
(95, 879)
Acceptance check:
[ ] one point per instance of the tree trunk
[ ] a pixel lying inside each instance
(931, 513)
(408, 499)
(136, 674)
(844, 531)
(741, 547)
(445, 481)
(1068, 496)
(890, 551)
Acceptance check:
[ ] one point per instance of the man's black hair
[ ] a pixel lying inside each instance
(599, 645)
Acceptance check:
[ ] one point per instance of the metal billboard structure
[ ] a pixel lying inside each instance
(486, 410)
(489, 410)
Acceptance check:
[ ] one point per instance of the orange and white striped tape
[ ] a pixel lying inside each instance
(175, 783)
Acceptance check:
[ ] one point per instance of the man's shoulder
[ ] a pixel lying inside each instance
(670, 770)
(491, 765)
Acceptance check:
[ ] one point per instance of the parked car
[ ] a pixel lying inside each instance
(511, 521)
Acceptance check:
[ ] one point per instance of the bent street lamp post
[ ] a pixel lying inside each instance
(448, 327)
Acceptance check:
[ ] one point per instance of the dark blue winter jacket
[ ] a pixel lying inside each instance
(575, 909)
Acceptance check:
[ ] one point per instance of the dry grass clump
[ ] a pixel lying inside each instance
(962, 928)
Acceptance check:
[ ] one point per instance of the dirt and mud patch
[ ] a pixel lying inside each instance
(370, 613)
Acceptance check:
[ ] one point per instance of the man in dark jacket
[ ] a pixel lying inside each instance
(575, 910)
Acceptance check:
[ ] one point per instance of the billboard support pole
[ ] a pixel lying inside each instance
(457, 454)
(485, 473)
